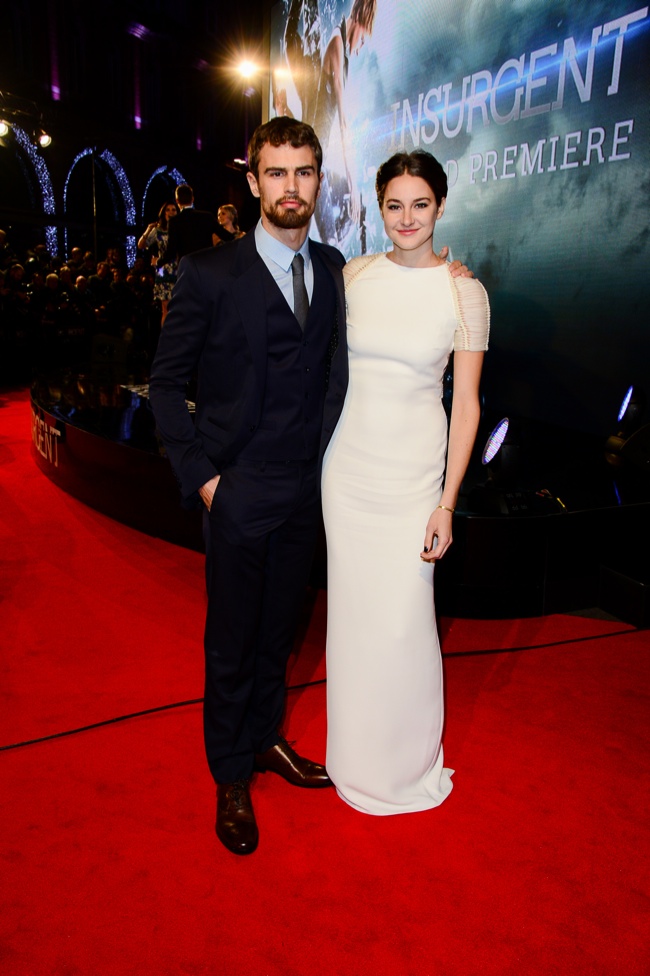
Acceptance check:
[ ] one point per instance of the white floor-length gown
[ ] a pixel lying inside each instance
(382, 478)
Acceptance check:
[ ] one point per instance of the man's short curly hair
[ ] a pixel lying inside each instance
(282, 131)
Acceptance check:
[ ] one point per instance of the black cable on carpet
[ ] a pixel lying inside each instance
(310, 684)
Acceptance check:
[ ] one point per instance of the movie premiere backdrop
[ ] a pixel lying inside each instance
(538, 110)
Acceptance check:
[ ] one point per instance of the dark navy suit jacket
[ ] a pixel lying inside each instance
(216, 325)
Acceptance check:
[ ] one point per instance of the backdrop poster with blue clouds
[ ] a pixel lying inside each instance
(538, 109)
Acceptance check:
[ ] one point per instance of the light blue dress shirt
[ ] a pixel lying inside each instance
(278, 257)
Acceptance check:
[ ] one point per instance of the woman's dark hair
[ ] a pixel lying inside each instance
(282, 131)
(162, 214)
(417, 163)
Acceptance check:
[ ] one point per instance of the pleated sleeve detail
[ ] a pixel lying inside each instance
(472, 315)
(356, 266)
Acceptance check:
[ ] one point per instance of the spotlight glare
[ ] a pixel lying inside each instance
(625, 403)
(44, 140)
(495, 440)
(247, 69)
(4, 128)
(631, 442)
(138, 30)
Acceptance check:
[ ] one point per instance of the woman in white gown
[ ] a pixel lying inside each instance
(389, 497)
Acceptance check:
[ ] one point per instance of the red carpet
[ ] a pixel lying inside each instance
(534, 866)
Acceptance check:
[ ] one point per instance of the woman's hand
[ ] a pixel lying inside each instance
(438, 536)
(142, 243)
(456, 267)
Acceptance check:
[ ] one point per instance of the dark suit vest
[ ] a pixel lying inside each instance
(294, 396)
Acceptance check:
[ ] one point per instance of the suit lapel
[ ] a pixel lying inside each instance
(248, 294)
(336, 275)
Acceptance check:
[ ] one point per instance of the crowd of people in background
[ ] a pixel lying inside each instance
(51, 310)
(57, 312)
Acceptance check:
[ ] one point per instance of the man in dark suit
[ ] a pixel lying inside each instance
(262, 320)
(191, 230)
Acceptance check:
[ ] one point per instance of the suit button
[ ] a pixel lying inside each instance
(252, 428)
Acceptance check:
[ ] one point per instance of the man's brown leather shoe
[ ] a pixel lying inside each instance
(284, 761)
(236, 827)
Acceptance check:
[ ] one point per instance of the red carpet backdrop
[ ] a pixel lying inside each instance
(535, 865)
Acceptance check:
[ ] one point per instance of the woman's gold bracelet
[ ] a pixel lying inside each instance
(447, 509)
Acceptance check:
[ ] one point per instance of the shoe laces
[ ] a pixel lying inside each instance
(238, 789)
(287, 742)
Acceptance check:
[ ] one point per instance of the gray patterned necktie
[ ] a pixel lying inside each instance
(300, 297)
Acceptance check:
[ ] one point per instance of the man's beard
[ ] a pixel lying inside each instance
(289, 219)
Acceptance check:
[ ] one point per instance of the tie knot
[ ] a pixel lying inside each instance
(298, 265)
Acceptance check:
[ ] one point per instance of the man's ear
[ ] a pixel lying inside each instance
(320, 184)
(252, 182)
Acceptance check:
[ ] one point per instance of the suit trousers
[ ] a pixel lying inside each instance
(260, 535)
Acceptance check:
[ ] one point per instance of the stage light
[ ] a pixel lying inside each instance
(502, 455)
(247, 69)
(636, 449)
(138, 30)
(624, 404)
(495, 440)
(22, 115)
(632, 410)
(631, 443)
(502, 492)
